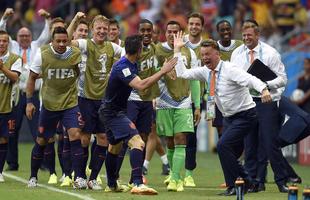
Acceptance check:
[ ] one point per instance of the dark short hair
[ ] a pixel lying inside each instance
(172, 22)
(59, 30)
(197, 15)
(133, 44)
(210, 43)
(83, 21)
(145, 21)
(221, 22)
(114, 21)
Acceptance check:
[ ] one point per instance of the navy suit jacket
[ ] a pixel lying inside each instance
(295, 123)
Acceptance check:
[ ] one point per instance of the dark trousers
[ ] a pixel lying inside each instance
(230, 145)
(262, 145)
(191, 147)
(19, 111)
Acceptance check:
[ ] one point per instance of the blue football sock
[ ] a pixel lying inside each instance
(36, 159)
(110, 164)
(136, 162)
(3, 152)
(77, 157)
(49, 154)
(99, 157)
(66, 156)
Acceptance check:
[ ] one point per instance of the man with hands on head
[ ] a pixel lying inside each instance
(227, 85)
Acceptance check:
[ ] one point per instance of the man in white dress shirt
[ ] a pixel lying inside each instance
(231, 95)
(262, 145)
(25, 47)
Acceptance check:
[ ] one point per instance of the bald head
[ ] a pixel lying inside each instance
(24, 37)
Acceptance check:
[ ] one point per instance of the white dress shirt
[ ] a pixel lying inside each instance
(271, 58)
(231, 85)
(15, 48)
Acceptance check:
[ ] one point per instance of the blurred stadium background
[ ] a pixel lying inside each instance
(284, 24)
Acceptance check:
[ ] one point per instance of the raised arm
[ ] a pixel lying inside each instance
(7, 13)
(45, 34)
(73, 24)
(200, 73)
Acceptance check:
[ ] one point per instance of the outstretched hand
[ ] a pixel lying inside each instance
(178, 41)
(169, 65)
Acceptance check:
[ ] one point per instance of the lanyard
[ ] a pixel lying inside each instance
(216, 82)
(260, 54)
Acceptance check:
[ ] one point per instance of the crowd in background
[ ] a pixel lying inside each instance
(276, 17)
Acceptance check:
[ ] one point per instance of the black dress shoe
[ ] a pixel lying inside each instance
(294, 179)
(229, 191)
(258, 187)
(261, 187)
(283, 188)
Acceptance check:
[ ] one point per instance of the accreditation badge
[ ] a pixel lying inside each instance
(210, 108)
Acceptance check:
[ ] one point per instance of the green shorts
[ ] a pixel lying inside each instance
(172, 121)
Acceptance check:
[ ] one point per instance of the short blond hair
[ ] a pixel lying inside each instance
(250, 24)
(97, 18)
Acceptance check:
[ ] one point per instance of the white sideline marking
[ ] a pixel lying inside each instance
(84, 197)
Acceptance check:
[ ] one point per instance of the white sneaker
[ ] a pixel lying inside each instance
(1, 178)
(94, 185)
(32, 182)
(80, 183)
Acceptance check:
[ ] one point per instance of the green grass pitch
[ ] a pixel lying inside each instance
(208, 177)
